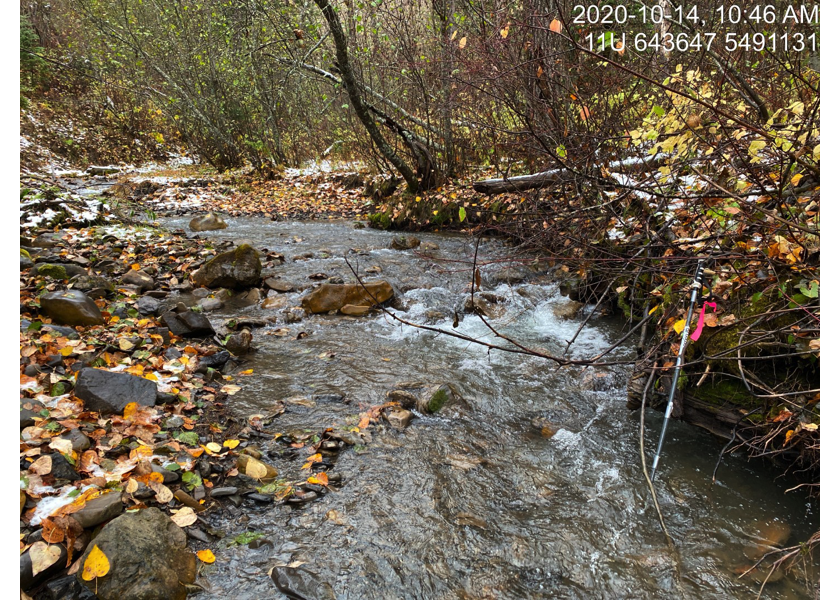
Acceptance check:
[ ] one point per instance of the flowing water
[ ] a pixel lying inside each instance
(481, 500)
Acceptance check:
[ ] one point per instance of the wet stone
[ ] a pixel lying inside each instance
(99, 510)
(142, 280)
(62, 469)
(146, 305)
(71, 307)
(223, 491)
(79, 440)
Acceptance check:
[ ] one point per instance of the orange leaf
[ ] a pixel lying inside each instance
(556, 26)
(206, 556)
(364, 422)
(52, 533)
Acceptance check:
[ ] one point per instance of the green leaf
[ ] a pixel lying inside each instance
(191, 480)
(35, 326)
(659, 111)
(812, 291)
(561, 151)
(462, 214)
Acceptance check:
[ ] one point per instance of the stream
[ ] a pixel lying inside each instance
(483, 499)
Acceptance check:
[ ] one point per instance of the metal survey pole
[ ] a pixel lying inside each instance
(696, 289)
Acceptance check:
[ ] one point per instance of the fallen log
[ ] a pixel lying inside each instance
(520, 183)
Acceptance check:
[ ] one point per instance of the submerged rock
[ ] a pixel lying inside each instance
(333, 296)
(209, 222)
(239, 343)
(300, 583)
(567, 310)
(239, 268)
(71, 307)
(402, 242)
(427, 398)
(148, 558)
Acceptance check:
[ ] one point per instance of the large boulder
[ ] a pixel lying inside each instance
(333, 296)
(148, 558)
(239, 268)
(71, 307)
(108, 393)
(209, 222)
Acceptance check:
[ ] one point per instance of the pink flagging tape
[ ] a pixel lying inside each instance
(696, 335)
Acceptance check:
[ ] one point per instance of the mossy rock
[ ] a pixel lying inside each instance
(54, 271)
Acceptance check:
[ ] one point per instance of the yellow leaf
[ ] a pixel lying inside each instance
(319, 479)
(206, 556)
(788, 435)
(556, 26)
(417, 199)
(247, 372)
(130, 410)
(463, 42)
(653, 310)
(810, 426)
(231, 444)
(135, 267)
(135, 370)
(795, 179)
(454, 34)
(256, 469)
(504, 32)
(679, 326)
(151, 376)
(213, 447)
(96, 564)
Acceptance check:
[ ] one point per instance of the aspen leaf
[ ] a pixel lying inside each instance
(184, 517)
(256, 469)
(463, 42)
(42, 466)
(213, 447)
(556, 26)
(206, 556)
(230, 444)
(43, 556)
(679, 326)
(96, 565)
(126, 345)
(795, 179)
(504, 31)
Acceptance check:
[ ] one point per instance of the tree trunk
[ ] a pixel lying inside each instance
(359, 105)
